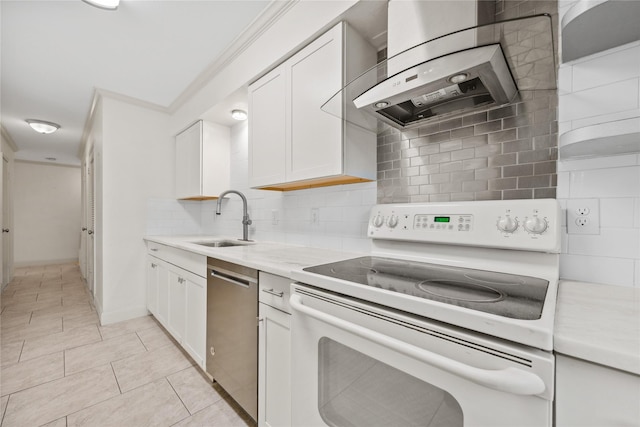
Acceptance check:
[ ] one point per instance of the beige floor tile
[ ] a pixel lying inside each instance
(72, 321)
(195, 390)
(53, 400)
(3, 407)
(19, 299)
(121, 328)
(10, 352)
(62, 311)
(155, 404)
(32, 306)
(23, 375)
(155, 337)
(60, 422)
(100, 353)
(31, 331)
(75, 300)
(144, 368)
(61, 341)
(218, 414)
(9, 320)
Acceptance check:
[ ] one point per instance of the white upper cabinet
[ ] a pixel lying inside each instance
(293, 143)
(202, 161)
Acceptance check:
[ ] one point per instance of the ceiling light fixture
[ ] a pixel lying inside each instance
(41, 126)
(104, 4)
(239, 115)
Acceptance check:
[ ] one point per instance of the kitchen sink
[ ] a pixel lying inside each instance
(223, 243)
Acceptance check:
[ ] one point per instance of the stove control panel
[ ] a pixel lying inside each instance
(510, 224)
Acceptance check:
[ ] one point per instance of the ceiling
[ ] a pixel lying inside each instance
(56, 53)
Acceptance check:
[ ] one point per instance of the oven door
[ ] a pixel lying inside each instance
(355, 364)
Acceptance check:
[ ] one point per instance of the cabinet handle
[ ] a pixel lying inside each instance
(154, 265)
(180, 280)
(154, 249)
(272, 292)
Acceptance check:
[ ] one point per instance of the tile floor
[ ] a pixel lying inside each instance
(59, 367)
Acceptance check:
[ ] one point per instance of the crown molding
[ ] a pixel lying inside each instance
(264, 21)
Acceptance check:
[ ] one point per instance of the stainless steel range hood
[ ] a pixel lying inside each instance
(465, 71)
(451, 84)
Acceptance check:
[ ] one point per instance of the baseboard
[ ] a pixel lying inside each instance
(120, 315)
(45, 262)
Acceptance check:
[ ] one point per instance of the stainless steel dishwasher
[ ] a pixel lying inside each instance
(232, 331)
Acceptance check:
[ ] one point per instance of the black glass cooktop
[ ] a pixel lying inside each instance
(508, 295)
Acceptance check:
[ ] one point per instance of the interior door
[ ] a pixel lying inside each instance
(90, 225)
(7, 237)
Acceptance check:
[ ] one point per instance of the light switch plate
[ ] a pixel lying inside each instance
(583, 216)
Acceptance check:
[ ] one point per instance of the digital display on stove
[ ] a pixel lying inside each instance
(442, 219)
(502, 294)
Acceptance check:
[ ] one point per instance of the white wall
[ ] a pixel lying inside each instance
(342, 211)
(47, 213)
(136, 163)
(596, 89)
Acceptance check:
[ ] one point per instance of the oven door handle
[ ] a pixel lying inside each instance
(511, 380)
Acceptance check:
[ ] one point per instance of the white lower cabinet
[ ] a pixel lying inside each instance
(177, 301)
(592, 395)
(177, 297)
(274, 352)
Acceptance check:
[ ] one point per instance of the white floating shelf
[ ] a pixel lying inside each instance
(604, 139)
(594, 26)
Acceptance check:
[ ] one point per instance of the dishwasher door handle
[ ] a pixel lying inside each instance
(510, 380)
(229, 279)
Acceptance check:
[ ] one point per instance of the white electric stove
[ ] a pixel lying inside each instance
(456, 300)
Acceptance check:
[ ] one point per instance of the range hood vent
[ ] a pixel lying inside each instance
(431, 81)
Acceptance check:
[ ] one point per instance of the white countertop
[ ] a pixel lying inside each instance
(275, 258)
(599, 323)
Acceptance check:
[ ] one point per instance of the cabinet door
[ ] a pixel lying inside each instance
(267, 129)
(177, 297)
(163, 294)
(315, 75)
(195, 333)
(274, 363)
(188, 162)
(152, 285)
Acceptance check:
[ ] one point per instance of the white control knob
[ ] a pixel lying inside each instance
(392, 221)
(507, 224)
(536, 225)
(377, 220)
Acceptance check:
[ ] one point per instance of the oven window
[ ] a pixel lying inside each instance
(357, 390)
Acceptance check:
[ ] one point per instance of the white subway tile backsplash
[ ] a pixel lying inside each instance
(611, 242)
(605, 270)
(618, 182)
(608, 99)
(605, 118)
(607, 69)
(617, 212)
(598, 163)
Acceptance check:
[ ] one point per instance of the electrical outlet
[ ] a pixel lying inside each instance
(583, 216)
(315, 216)
(274, 216)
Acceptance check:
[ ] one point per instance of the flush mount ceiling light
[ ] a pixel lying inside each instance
(382, 104)
(104, 4)
(239, 115)
(41, 126)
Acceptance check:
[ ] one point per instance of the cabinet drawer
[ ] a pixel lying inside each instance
(274, 291)
(186, 260)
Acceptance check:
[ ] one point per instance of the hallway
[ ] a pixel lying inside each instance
(60, 368)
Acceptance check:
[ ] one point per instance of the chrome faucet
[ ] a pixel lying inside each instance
(246, 221)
